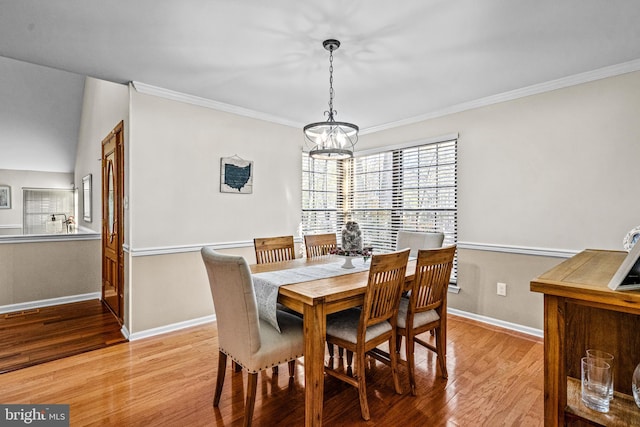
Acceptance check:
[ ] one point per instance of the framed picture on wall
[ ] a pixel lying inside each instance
(236, 175)
(86, 198)
(5, 197)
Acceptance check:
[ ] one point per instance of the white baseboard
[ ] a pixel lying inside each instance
(496, 322)
(48, 302)
(171, 328)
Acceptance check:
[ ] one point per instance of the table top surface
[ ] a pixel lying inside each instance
(328, 289)
(586, 277)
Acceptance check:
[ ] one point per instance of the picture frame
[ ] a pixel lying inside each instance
(86, 198)
(631, 238)
(5, 197)
(236, 175)
(628, 275)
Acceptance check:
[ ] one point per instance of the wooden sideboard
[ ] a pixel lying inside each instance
(581, 312)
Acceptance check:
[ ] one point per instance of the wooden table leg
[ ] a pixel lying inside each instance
(315, 325)
(555, 377)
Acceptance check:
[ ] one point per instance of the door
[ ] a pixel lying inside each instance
(112, 221)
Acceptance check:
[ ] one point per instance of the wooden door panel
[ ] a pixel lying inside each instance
(112, 220)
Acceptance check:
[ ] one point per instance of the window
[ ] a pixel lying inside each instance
(47, 210)
(410, 188)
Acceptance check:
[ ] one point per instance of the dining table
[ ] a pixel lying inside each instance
(315, 299)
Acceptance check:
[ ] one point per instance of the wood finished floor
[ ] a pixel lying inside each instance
(40, 335)
(495, 379)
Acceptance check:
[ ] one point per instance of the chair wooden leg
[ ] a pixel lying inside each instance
(442, 358)
(292, 367)
(362, 386)
(274, 370)
(410, 346)
(236, 367)
(222, 367)
(252, 387)
(393, 355)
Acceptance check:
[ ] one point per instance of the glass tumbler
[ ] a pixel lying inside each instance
(607, 357)
(595, 382)
(635, 385)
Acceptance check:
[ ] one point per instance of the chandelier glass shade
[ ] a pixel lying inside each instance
(331, 140)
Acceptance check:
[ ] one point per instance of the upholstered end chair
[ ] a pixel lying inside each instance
(418, 240)
(252, 343)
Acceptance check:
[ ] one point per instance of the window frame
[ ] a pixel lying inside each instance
(347, 193)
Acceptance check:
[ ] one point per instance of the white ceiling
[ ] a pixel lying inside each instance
(398, 60)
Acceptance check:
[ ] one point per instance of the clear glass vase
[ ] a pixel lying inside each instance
(635, 385)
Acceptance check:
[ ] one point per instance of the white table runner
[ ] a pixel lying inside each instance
(266, 284)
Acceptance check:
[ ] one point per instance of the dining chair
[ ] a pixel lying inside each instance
(424, 309)
(274, 249)
(248, 340)
(319, 244)
(418, 240)
(360, 330)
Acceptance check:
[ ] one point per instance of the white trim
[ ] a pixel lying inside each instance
(522, 250)
(36, 238)
(208, 103)
(576, 79)
(454, 289)
(586, 77)
(125, 332)
(167, 250)
(48, 302)
(491, 247)
(387, 148)
(10, 226)
(171, 328)
(496, 322)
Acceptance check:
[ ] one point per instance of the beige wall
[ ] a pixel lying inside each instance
(555, 171)
(39, 271)
(104, 105)
(175, 199)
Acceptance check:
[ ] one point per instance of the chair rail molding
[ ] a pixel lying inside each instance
(522, 250)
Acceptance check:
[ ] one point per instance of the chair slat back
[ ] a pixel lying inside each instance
(319, 244)
(433, 272)
(384, 288)
(274, 249)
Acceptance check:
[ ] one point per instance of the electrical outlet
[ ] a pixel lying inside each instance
(502, 289)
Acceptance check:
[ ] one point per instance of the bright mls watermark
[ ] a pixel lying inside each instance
(34, 415)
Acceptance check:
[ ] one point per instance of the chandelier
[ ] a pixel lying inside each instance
(331, 140)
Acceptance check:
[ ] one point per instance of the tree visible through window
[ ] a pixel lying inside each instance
(411, 188)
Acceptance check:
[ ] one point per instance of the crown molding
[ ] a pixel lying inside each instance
(589, 76)
(586, 77)
(208, 103)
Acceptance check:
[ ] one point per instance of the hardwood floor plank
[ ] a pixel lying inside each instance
(495, 378)
(50, 333)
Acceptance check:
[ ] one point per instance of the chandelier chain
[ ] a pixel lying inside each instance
(331, 111)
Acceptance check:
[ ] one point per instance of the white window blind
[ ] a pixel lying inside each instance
(320, 194)
(42, 205)
(411, 188)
